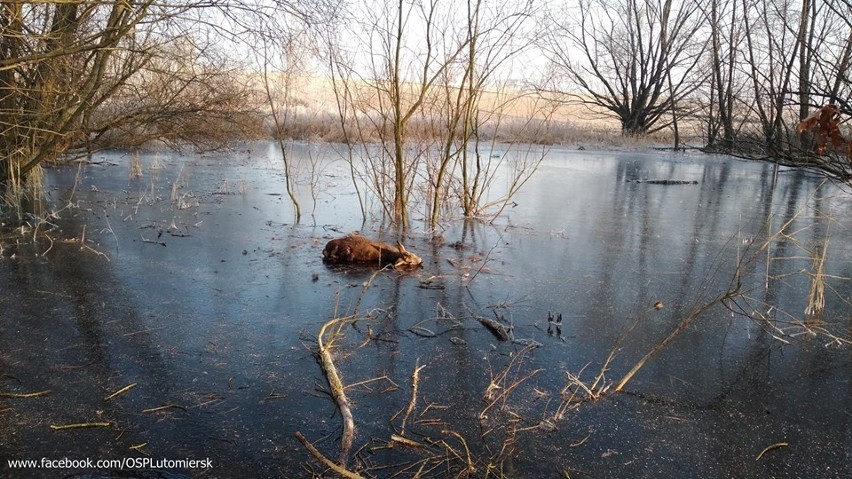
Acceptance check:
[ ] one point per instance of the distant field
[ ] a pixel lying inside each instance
(316, 95)
(522, 116)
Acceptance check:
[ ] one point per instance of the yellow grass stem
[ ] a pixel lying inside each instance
(121, 391)
(80, 425)
(406, 442)
(163, 408)
(816, 293)
(769, 448)
(468, 459)
(24, 395)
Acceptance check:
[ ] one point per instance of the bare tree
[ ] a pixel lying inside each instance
(794, 56)
(434, 78)
(93, 74)
(828, 56)
(340, 67)
(772, 48)
(621, 56)
(185, 93)
(723, 19)
(56, 66)
(414, 46)
(281, 56)
(472, 95)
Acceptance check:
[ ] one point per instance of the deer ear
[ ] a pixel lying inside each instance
(401, 247)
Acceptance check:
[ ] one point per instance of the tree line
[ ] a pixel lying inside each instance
(422, 87)
(741, 73)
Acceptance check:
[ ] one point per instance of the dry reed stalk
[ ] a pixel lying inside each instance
(776, 327)
(501, 381)
(696, 313)
(224, 188)
(769, 448)
(135, 166)
(121, 391)
(393, 386)
(467, 459)
(163, 408)
(49, 247)
(83, 245)
(178, 199)
(156, 163)
(81, 425)
(599, 387)
(138, 447)
(816, 293)
(24, 395)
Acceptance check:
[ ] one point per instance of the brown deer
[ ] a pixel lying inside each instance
(355, 248)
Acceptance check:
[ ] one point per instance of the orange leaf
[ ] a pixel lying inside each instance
(825, 125)
(807, 124)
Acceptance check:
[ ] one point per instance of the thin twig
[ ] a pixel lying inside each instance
(769, 448)
(121, 391)
(80, 425)
(25, 395)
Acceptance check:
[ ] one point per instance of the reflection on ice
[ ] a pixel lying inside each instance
(211, 300)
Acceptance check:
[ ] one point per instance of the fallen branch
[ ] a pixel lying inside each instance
(415, 382)
(337, 468)
(337, 391)
(496, 328)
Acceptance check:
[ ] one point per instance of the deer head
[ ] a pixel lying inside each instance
(355, 248)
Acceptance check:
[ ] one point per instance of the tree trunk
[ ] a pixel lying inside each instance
(805, 40)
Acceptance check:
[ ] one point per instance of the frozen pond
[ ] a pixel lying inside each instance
(193, 285)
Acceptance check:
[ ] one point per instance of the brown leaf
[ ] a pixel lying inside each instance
(807, 124)
(825, 125)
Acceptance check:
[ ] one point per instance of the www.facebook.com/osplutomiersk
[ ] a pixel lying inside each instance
(120, 464)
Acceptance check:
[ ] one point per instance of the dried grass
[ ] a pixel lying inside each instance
(135, 166)
(816, 293)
